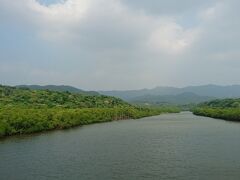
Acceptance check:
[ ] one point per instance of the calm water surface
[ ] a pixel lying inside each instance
(173, 146)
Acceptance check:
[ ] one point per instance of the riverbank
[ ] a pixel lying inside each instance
(227, 109)
(26, 111)
(230, 114)
(17, 121)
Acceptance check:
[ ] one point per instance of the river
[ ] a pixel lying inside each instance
(171, 146)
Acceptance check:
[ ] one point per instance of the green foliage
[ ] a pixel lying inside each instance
(11, 96)
(222, 103)
(60, 88)
(228, 109)
(23, 120)
(232, 114)
(24, 111)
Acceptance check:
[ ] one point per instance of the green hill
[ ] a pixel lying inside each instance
(222, 103)
(61, 88)
(13, 96)
(228, 109)
(25, 111)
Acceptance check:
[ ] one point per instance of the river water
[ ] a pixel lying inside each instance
(171, 146)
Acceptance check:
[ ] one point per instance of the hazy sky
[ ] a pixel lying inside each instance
(119, 44)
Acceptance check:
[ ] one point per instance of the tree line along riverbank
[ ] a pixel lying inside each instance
(227, 109)
(24, 111)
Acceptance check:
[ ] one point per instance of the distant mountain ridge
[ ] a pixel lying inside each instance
(167, 94)
(59, 88)
(158, 95)
(205, 90)
(179, 99)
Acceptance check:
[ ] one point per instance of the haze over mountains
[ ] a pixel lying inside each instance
(204, 90)
(159, 95)
(179, 99)
(173, 95)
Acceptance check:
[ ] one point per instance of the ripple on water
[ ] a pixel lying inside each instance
(172, 146)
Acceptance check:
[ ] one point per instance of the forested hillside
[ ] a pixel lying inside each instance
(224, 103)
(27, 111)
(12, 96)
(61, 88)
(228, 109)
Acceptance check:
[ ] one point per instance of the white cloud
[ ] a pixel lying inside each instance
(213, 12)
(68, 11)
(140, 43)
(172, 38)
(67, 21)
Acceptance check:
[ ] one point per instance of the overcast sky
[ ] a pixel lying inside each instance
(119, 44)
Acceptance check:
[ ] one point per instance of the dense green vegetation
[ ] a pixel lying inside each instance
(61, 88)
(222, 103)
(25, 111)
(228, 109)
(22, 120)
(12, 96)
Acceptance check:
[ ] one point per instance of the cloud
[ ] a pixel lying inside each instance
(112, 25)
(121, 44)
(169, 7)
(211, 13)
(172, 38)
